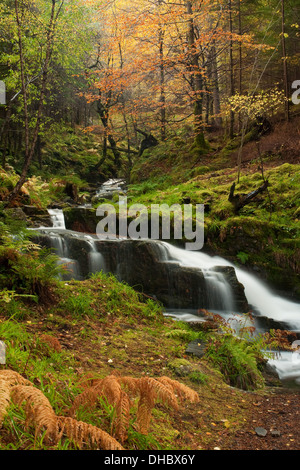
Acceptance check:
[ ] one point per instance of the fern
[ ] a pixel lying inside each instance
(40, 414)
(119, 389)
(4, 398)
(118, 392)
(86, 435)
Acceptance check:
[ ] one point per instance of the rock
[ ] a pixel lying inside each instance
(37, 217)
(72, 191)
(261, 432)
(81, 219)
(181, 367)
(196, 348)
(236, 286)
(275, 433)
(16, 213)
(268, 323)
(141, 264)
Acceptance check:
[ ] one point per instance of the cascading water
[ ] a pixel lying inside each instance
(263, 301)
(260, 297)
(57, 218)
(221, 299)
(96, 259)
(220, 295)
(59, 244)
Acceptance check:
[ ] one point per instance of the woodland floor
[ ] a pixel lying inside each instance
(225, 419)
(283, 141)
(275, 411)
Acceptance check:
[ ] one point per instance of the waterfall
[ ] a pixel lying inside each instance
(60, 245)
(219, 292)
(57, 218)
(96, 259)
(262, 300)
(220, 297)
(287, 366)
(260, 297)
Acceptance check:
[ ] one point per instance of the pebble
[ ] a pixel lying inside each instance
(275, 433)
(261, 432)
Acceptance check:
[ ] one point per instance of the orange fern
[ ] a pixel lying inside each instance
(4, 398)
(119, 392)
(119, 389)
(86, 435)
(40, 414)
(38, 410)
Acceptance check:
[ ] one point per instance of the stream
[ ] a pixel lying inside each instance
(263, 301)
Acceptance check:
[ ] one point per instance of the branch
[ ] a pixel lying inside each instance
(239, 201)
(120, 149)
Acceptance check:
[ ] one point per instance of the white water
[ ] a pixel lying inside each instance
(287, 366)
(259, 296)
(110, 187)
(57, 218)
(96, 259)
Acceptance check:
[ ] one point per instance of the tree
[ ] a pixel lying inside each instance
(44, 45)
(30, 141)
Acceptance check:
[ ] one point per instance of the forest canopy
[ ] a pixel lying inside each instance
(140, 72)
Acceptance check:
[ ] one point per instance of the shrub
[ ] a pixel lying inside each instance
(25, 269)
(237, 360)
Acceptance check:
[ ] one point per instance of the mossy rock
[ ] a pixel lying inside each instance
(81, 219)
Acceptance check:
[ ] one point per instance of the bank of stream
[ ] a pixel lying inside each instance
(207, 283)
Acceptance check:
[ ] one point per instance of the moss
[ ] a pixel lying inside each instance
(266, 230)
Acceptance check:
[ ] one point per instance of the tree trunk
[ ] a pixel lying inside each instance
(162, 85)
(215, 86)
(30, 147)
(196, 78)
(231, 74)
(103, 112)
(239, 201)
(284, 58)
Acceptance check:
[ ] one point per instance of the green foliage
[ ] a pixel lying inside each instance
(198, 377)
(237, 360)
(185, 333)
(102, 295)
(243, 257)
(26, 271)
(142, 441)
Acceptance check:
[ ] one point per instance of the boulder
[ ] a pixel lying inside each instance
(141, 264)
(81, 219)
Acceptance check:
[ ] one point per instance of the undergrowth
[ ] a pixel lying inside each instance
(117, 390)
(57, 332)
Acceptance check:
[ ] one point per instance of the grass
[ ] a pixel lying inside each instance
(103, 326)
(264, 234)
(118, 332)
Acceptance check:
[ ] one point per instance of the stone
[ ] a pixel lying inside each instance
(37, 217)
(16, 213)
(275, 433)
(81, 219)
(141, 264)
(261, 432)
(196, 348)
